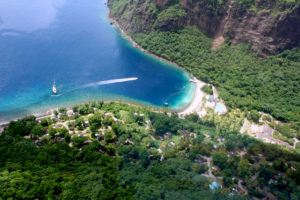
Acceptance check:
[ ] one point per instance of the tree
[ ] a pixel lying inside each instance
(108, 121)
(279, 165)
(38, 130)
(109, 136)
(243, 168)
(75, 108)
(220, 159)
(44, 122)
(110, 149)
(192, 117)
(95, 121)
(119, 129)
(100, 104)
(63, 132)
(161, 123)
(254, 116)
(83, 109)
(52, 132)
(254, 149)
(296, 194)
(16, 128)
(265, 171)
(55, 112)
(78, 141)
(79, 123)
(207, 89)
(200, 180)
(62, 111)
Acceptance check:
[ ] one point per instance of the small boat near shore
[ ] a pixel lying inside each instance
(54, 90)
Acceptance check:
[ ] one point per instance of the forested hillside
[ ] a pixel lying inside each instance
(117, 151)
(244, 80)
(271, 26)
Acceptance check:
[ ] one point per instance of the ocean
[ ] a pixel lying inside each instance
(73, 43)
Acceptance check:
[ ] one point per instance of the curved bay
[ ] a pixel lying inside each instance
(72, 42)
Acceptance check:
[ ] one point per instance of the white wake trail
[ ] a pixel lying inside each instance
(120, 80)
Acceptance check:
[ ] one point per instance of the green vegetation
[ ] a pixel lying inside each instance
(298, 147)
(115, 151)
(207, 89)
(171, 13)
(135, 153)
(243, 81)
(254, 116)
(118, 7)
(269, 6)
(213, 7)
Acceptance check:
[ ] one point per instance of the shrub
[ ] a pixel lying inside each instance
(38, 130)
(254, 116)
(75, 108)
(78, 141)
(62, 110)
(55, 112)
(207, 89)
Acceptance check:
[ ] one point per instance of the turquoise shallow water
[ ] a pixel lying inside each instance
(72, 42)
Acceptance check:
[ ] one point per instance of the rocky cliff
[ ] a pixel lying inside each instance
(268, 25)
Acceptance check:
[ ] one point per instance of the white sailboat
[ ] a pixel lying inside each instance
(54, 88)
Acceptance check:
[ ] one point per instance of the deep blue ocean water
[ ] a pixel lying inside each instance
(73, 43)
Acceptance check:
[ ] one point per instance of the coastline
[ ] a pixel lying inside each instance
(196, 101)
(49, 112)
(191, 107)
(137, 46)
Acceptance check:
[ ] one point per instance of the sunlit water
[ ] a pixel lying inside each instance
(73, 43)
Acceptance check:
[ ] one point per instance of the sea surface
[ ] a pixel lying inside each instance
(73, 43)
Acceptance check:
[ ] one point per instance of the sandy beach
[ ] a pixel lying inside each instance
(196, 103)
(38, 116)
(192, 107)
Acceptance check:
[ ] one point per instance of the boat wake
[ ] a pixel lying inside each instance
(120, 80)
(64, 90)
(56, 95)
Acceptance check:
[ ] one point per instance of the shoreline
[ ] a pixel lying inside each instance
(137, 46)
(49, 112)
(191, 107)
(195, 105)
(196, 101)
(41, 115)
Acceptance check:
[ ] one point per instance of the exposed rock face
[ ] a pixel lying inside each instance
(207, 20)
(268, 34)
(268, 31)
(220, 33)
(140, 16)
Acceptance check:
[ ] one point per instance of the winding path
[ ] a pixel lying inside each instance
(210, 174)
(242, 187)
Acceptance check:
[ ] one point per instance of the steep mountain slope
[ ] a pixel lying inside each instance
(186, 31)
(271, 26)
(208, 39)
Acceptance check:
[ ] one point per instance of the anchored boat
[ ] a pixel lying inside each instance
(54, 88)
